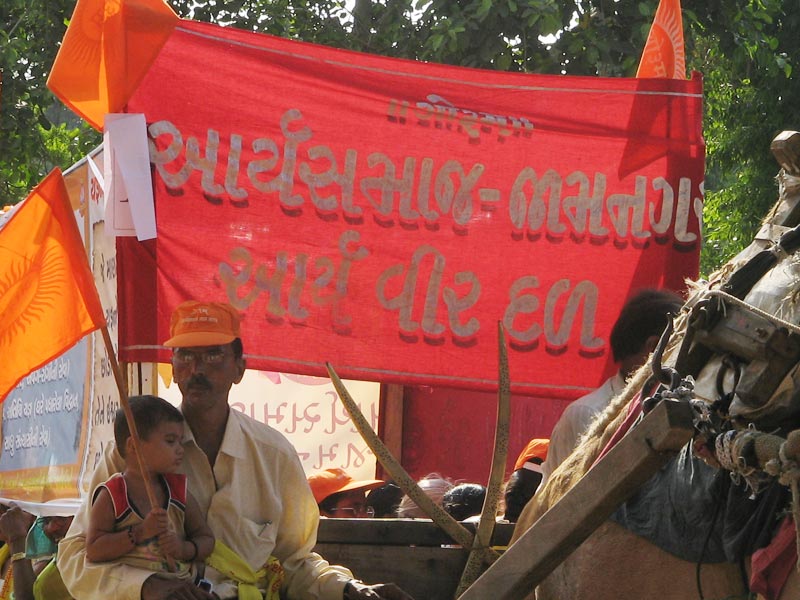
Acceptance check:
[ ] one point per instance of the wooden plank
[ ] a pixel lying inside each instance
(397, 532)
(427, 573)
(391, 421)
(637, 456)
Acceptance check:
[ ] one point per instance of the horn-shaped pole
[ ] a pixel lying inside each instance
(483, 535)
(451, 527)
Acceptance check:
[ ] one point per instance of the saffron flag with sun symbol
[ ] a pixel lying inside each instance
(48, 298)
(107, 52)
(663, 54)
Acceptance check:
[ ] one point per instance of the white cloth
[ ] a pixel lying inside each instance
(575, 420)
(256, 499)
(63, 507)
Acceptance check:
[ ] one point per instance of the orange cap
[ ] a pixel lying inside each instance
(332, 481)
(535, 449)
(196, 323)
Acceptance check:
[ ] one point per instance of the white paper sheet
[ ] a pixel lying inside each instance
(130, 209)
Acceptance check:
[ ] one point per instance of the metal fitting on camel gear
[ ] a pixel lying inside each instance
(666, 376)
(683, 392)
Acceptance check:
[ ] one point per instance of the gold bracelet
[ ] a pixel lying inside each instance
(17, 556)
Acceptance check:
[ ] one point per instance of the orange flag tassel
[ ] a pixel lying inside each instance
(107, 50)
(48, 298)
(663, 54)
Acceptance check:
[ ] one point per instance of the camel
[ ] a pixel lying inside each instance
(614, 563)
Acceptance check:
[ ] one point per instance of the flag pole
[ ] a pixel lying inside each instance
(126, 408)
(99, 319)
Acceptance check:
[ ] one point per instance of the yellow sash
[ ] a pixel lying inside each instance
(49, 585)
(227, 562)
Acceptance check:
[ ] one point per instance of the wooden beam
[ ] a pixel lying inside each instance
(390, 429)
(412, 553)
(424, 572)
(397, 532)
(786, 150)
(613, 479)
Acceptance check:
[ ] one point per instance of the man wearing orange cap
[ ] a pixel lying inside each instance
(339, 495)
(526, 478)
(245, 475)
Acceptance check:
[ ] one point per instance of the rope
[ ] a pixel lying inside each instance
(730, 450)
(723, 450)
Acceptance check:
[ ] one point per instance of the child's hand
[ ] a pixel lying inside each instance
(171, 544)
(154, 524)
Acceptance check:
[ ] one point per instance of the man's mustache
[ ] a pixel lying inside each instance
(199, 381)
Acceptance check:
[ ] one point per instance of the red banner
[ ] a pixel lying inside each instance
(384, 215)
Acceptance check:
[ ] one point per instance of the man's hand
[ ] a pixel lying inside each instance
(381, 591)
(14, 524)
(158, 588)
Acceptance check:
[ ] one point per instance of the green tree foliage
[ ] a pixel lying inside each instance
(746, 51)
(36, 132)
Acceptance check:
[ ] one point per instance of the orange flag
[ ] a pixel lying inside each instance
(663, 54)
(47, 294)
(106, 52)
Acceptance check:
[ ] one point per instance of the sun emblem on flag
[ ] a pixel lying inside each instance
(28, 290)
(665, 44)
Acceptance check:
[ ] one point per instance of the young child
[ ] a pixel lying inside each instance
(123, 526)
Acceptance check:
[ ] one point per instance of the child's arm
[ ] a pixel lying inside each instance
(199, 542)
(105, 544)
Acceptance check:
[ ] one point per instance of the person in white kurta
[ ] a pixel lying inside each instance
(246, 477)
(633, 337)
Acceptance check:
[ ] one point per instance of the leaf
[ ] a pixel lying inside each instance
(484, 9)
(44, 122)
(504, 61)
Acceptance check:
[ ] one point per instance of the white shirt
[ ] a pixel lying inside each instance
(575, 420)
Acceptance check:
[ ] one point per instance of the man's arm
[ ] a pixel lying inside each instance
(197, 530)
(14, 526)
(308, 575)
